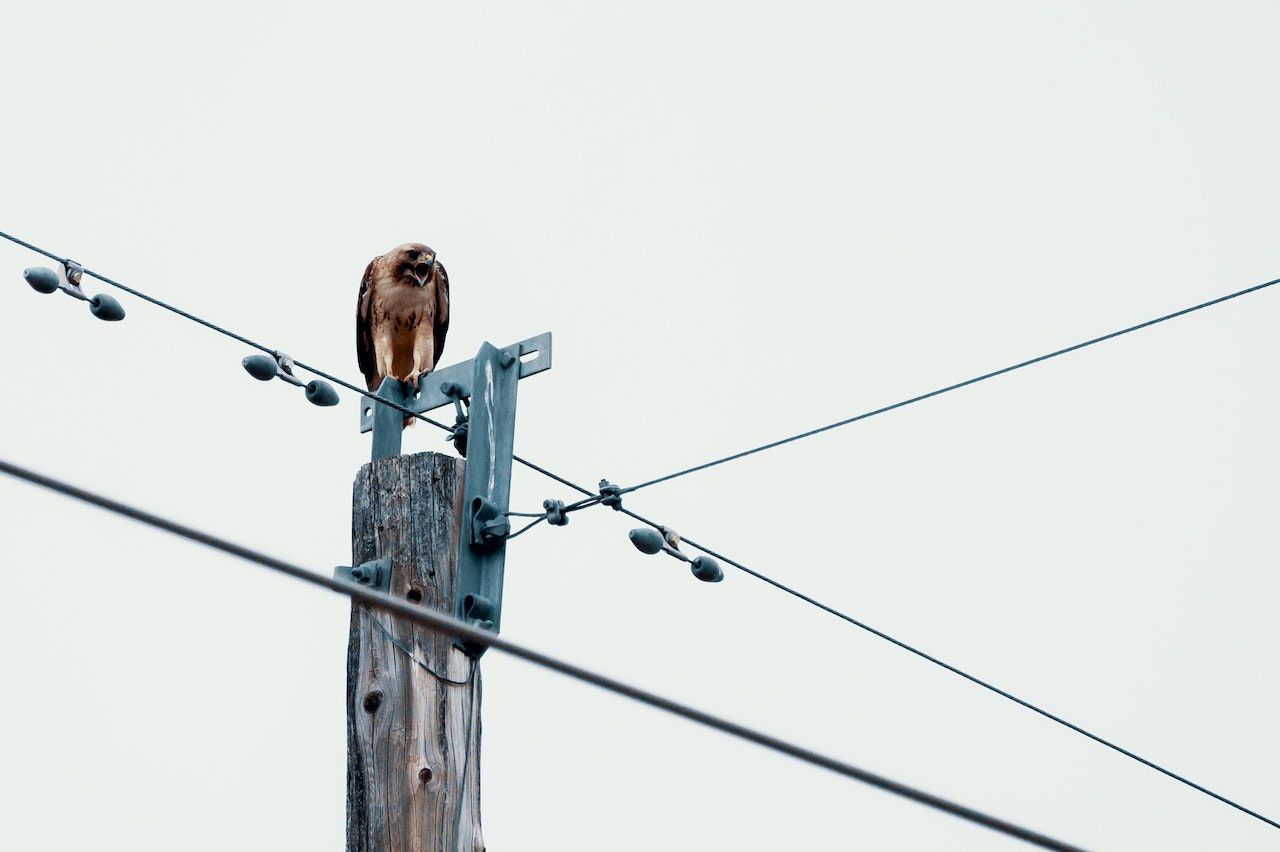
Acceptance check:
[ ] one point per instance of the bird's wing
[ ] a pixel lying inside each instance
(364, 329)
(442, 312)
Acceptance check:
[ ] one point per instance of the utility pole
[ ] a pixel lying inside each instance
(413, 702)
(432, 530)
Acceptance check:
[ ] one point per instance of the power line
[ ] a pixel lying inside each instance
(783, 587)
(262, 347)
(940, 391)
(441, 623)
(213, 326)
(594, 498)
(764, 578)
(268, 350)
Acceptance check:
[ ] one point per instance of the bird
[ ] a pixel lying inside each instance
(402, 316)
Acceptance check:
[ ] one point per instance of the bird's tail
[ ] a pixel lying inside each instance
(408, 421)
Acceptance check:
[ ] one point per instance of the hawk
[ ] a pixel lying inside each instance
(402, 315)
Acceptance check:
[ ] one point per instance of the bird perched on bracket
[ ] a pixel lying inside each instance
(402, 316)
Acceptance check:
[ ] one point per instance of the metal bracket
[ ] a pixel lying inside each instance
(486, 489)
(489, 525)
(375, 574)
(533, 354)
(489, 382)
(386, 422)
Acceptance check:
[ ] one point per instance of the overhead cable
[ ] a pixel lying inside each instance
(450, 626)
(862, 625)
(940, 391)
(594, 498)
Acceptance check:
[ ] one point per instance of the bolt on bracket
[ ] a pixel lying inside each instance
(374, 575)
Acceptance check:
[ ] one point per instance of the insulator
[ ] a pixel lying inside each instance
(105, 307)
(320, 392)
(41, 278)
(261, 367)
(646, 540)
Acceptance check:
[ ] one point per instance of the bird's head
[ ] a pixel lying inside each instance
(414, 263)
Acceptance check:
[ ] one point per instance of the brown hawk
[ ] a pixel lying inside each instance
(402, 315)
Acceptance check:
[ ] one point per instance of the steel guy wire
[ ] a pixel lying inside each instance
(940, 391)
(446, 624)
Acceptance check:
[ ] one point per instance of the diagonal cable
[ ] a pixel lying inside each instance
(594, 497)
(940, 391)
(264, 348)
(442, 623)
(213, 326)
(862, 625)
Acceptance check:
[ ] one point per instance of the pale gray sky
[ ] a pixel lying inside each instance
(739, 220)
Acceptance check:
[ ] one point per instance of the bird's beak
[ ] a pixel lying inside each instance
(422, 272)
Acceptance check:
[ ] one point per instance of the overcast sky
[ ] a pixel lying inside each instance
(740, 220)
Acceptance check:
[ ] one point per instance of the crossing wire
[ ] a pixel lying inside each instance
(940, 391)
(213, 326)
(268, 350)
(764, 578)
(1003, 693)
(446, 624)
(595, 498)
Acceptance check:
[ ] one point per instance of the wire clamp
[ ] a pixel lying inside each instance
(477, 610)
(666, 540)
(610, 495)
(45, 280)
(489, 525)
(554, 510)
(264, 368)
(461, 420)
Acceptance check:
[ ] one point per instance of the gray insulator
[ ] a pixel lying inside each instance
(41, 278)
(320, 392)
(105, 307)
(646, 540)
(261, 367)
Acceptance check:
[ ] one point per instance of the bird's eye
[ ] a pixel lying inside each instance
(414, 254)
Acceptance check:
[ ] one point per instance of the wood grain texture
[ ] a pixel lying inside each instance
(413, 740)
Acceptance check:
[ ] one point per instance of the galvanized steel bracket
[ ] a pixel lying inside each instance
(486, 489)
(534, 356)
(489, 382)
(386, 422)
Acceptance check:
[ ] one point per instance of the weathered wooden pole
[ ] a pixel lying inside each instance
(413, 699)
